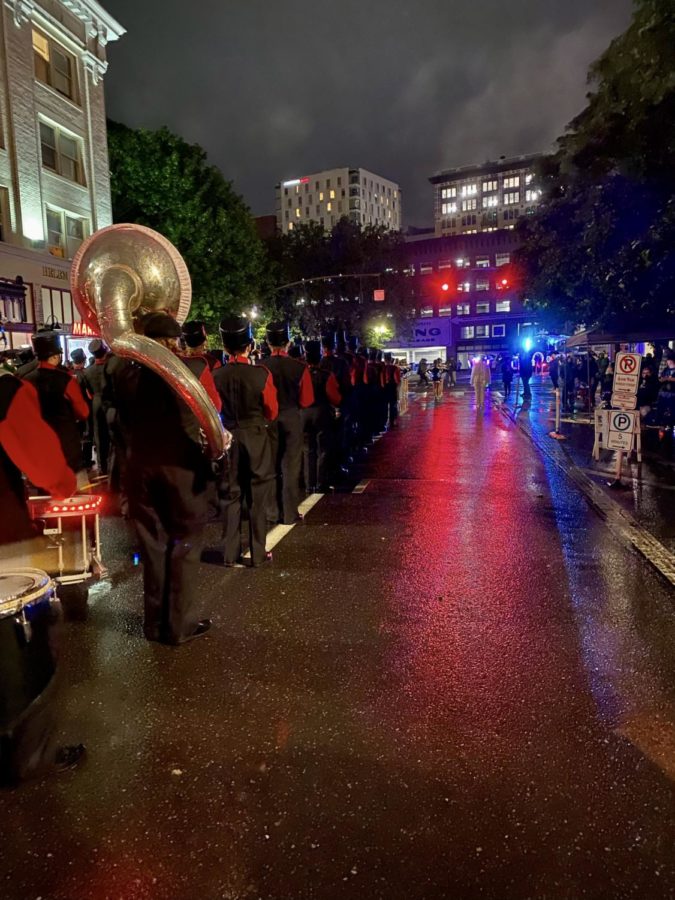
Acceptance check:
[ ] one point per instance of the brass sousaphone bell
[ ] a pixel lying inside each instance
(120, 275)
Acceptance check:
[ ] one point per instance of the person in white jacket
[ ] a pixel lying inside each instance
(480, 379)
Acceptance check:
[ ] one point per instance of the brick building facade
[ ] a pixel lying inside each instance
(54, 175)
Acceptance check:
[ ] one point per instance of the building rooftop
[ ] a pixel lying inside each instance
(502, 164)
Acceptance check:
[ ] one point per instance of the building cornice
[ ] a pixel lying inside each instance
(487, 168)
(100, 25)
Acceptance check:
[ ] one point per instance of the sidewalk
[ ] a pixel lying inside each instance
(649, 494)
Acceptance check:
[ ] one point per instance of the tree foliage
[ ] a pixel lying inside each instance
(159, 180)
(328, 279)
(601, 248)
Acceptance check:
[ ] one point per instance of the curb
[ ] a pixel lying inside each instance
(620, 523)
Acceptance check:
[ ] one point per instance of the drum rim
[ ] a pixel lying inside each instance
(42, 584)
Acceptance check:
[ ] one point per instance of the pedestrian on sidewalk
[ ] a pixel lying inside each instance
(480, 379)
(525, 370)
(554, 371)
(450, 372)
(422, 372)
(665, 409)
(436, 373)
(507, 375)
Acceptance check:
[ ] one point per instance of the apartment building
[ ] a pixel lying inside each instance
(54, 176)
(474, 199)
(325, 197)
(467, 298)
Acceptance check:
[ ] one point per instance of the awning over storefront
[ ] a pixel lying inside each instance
(585, 339)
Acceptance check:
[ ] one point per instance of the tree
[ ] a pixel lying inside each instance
(159, 180)
(600, 249)
(327, 280)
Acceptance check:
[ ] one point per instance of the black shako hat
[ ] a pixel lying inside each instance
(160, 325)
(278, 333)
(313, 352)
(78, 356)
(329, 340)
(47, 343)
(236, 333)
(194, 334)
(97, 349)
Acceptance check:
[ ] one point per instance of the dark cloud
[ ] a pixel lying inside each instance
(402, 87)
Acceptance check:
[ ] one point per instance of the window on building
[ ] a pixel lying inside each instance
(290, 226)
(463, 309)
(53, 65)
(512, 182)
(307, 211)
(448, 209)
(445, 311)
(489, 186)
(510, 214)
(490, 202)
(61, 153)
(327, 182)
(329, 206)
(498, 330)
(469, 204)
(469, 190)
(445, 264)
(332, 195)
(503, 259)
(57, 304)
(65, 232)
(285, 192)
(426, 270)
(482, 309)
(528, 178)
(467, 331)
(503, 306)
(426, 312)
(482, 262)
(339, 181)
(464, 287)
(297, 212)
(482, 331)
(483, 284)
(320, 196)
(511, 197)
(532, 196)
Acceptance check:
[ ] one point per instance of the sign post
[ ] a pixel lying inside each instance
(556, 434)
(624, 421)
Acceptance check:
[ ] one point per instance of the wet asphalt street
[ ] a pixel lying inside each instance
(454, 684)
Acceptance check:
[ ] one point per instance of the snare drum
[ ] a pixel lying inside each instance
(28, 612)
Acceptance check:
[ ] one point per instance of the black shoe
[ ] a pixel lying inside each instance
(266, 559)
(202, 628)
(68, 758)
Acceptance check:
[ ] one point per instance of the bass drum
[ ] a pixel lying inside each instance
(29, 611)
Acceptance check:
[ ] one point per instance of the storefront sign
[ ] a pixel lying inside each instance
(56, 274)
(81, 329)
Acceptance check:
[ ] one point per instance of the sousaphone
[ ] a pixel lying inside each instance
(120, 275)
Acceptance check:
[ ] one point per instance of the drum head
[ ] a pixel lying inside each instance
(21, 586)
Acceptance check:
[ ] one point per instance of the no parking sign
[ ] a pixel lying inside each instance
(622, 426)
(627, 373)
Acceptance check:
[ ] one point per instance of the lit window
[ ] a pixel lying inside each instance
(445, 311)
(448, 193)
(503, 306)
(463, 309)
(461, 263)
(320, 196)
(426, 312)
(464, 286)
(332, 195)
(489, 186)
(482, 331)
(489, 202)
(532, 196)
(329, 206)
(511, 197)
(482, 308)
(53, 66)
(449, 208)
(445, 264)
(512, 182)
(297, 212)
(483, 284)
(498, 330)
(426, 270)
(528, 178)
(469, 204)
(467, 331)
(503, 259)
(290, 226)
(61, 153)
(65, 232)
(482, 262)
(469, 190)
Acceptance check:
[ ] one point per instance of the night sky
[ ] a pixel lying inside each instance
(274, 89)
